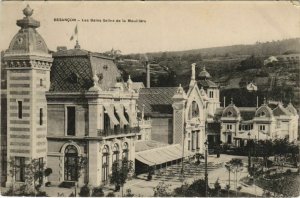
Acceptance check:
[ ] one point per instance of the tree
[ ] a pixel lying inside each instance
(34, 173)
(120, 172)
(237, 166)
(217, 188)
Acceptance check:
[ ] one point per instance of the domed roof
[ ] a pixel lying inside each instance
(27, 40)
(264, 111)
(204, 74)
(231, 111)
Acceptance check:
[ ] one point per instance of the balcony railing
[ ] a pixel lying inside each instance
(118, 131)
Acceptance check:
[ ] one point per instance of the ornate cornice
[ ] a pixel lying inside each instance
(28, 64)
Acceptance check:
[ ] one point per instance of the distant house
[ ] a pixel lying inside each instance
(271, 59)
(251, 87)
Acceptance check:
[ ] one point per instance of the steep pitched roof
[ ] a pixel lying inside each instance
(156, 100)
(73, 70)
(291, 109)
(206, 84)
(280, 110)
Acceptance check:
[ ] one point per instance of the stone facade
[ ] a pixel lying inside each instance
(79, 114)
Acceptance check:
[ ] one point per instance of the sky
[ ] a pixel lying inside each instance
(166, 26)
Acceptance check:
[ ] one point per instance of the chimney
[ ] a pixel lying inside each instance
(193, 77)
(148, 74)
(224, 104)
(257, 102)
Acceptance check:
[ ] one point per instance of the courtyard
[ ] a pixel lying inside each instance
(171, 175)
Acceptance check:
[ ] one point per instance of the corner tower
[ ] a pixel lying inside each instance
(212, 91)
(28, 64)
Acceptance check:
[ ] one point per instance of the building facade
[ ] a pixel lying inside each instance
(268, 122)
(69, 109)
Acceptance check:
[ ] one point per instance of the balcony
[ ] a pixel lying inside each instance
(118, 131)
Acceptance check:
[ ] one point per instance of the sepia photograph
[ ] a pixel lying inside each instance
(150, 99)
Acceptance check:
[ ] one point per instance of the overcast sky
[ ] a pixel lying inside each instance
(170, 26)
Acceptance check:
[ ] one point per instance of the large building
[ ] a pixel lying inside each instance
(62, 108)
(72, 105)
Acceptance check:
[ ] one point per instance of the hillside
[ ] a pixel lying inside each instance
(232, 67)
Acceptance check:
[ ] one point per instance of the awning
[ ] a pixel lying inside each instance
(120, 112)
(161, 155)
(110, 111)
(130, 114)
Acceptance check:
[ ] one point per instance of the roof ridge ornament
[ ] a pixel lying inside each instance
(96, 86)
(265, 101)
(28, 11)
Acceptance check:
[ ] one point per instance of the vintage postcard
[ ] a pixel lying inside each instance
(189, 99)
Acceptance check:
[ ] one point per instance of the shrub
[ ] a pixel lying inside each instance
(288, 172)
(84, 191)
(162, 190)
(110, 194)
(97, 192)
(129, 193)
(48, 171)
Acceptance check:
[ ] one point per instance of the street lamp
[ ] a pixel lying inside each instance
(206, 174)
(249, 154)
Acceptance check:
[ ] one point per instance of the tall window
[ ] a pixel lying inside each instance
(41, 166)
(71, 120)
(20, 108)
(229, 126)
(262, 127)
(116, 152)
(211, 94)
(105, 163)
(197, 139)
(125, 150)
(194, 110)
(71, 163)
(193, 139)
(189, 145)
(41, 82)
(20, 169)
(106, 122)
(41, 116)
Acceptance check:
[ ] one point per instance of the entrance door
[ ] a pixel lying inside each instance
(71, 163)
(229, 139)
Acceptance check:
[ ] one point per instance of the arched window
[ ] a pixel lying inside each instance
(71, 163)
(105, 163)
(116, 152)
(194, 110)
(125, 150)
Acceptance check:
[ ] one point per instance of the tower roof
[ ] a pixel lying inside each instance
(27, 41)
(204, 74)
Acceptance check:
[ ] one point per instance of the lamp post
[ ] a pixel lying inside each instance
(206, 174)
(249, 154)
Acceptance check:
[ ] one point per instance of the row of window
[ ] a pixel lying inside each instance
(195, 135)
(20, 112)
(246, 127)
